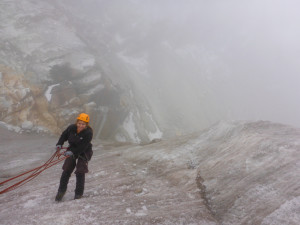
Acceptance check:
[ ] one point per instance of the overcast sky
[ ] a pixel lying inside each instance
(240, 58)
(247, 51)
(255, 45)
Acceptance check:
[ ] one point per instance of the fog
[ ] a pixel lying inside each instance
(212, 60)
(145, 71)
(144, 67)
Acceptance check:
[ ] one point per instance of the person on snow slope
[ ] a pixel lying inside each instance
(79, 136)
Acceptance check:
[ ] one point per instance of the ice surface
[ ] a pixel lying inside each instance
(233, 173)
(157, 134)
(10, 127)
(48, 94)
(129, 126)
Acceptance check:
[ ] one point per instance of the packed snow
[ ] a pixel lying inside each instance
(157, 134)
(48, 93)
(129, 126)
(232, 173)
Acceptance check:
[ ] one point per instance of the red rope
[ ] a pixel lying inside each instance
(35, 172)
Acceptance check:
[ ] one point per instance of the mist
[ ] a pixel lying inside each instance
(212, 60)
(142, 67)
(165, 83)
(225, 60)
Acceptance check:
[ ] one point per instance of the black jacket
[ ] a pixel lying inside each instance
(80, 144)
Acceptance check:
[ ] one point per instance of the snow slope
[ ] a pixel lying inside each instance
(232, 173)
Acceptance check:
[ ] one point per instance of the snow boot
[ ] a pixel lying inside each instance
(64, 180)
(80, 180)
(77, 196)
(59, 196)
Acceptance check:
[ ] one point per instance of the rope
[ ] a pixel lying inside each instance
(35, 172)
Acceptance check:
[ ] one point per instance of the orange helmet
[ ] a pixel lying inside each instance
(84, 117)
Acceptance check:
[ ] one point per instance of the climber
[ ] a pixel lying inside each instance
(79, 136)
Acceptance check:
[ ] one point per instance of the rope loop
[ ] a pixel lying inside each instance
(54, 159)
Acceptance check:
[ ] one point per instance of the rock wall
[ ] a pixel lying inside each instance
(24, 104)
(54, 67)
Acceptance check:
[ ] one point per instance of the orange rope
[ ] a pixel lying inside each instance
(35, 172)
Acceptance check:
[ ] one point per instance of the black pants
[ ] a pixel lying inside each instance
(70, 164)
(68, 167)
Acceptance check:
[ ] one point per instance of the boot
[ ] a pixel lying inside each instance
(64, 180)
(77, 196)
(80, 180)
(59, 196)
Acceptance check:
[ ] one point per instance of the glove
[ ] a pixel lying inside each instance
(58, 147)
(68, 153)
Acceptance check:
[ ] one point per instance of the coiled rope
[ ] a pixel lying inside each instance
(55, 159)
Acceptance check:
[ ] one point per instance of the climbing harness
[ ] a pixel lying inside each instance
(55, 159)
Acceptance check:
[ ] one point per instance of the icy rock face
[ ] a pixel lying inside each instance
(236, 173)
(23, 104)
(251, 172)
(28, 106)
(247, 172)
(35, 35)
(27, 125)
(45, 44)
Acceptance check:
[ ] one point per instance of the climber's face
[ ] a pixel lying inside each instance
(81, 126)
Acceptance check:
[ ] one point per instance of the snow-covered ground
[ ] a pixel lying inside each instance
(232, 173)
